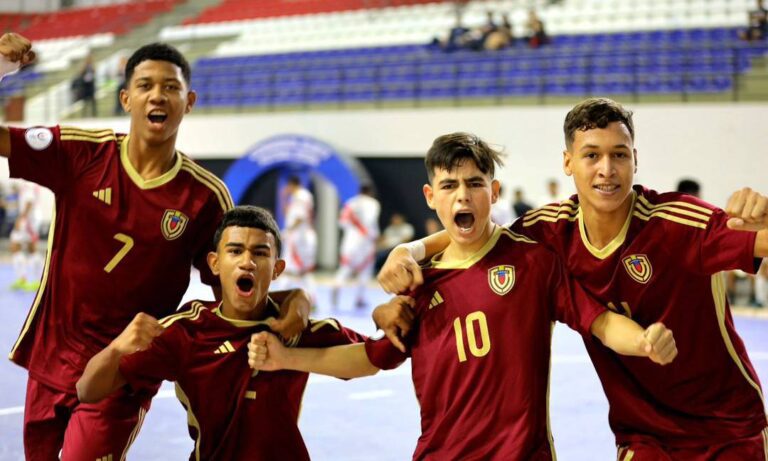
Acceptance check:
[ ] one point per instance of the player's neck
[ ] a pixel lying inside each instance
(259, 312)
(151, 160)
(458, 251)
(602, 227)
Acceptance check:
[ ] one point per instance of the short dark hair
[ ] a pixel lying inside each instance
(451, 150)
(293, 179)
(689, 186)
(248, 216)
(596, 113)
(158, 52)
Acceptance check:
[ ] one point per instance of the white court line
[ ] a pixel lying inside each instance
(403, 370)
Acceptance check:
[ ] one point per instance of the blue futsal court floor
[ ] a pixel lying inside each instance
(371, 419)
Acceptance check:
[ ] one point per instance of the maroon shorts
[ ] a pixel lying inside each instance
(56, 421)
(754, 448)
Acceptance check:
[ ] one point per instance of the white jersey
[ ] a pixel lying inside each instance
(300, 208)
(501, 212)
(360, 218)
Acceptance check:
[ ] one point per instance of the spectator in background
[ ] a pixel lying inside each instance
(120, 77)
(537, 36)
(502, 37)
(690, 187)
(458, 36)
(757, 28)
(520, 205)
(84, 86)
(432, 225)
(553, 194)
(501, 211)
(398, 231)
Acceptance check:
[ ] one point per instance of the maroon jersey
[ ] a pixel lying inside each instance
(118, 244)
(664, 267)
(234, 413)
(481, 350)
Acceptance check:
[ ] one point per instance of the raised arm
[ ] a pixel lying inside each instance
(401, 271)
(294, 311)
(266, 352)
(624, 336)
(15, 52)
(749, 212)
(102, 374)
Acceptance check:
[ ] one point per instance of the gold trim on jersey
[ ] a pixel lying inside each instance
(78, 134)
(552, 213)
(696, 216)
(191, 418)
(602, 253)
(209, 180)
(134, 433)
(318, 324)
(719, 295)
(140, 182)
(624, 454)
(43, 281)
(250, 395)
(765, 442)
(271, 305)
(498, 231)
(550, 439)
(192, 314)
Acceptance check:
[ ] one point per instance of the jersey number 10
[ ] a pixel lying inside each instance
(477, 350)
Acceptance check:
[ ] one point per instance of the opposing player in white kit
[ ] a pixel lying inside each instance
(360, 222)
(299, 236)
(27, 262)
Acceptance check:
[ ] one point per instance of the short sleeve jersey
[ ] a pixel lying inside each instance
(118, 244)
(233, 412)
(480, 350)
(664, 266)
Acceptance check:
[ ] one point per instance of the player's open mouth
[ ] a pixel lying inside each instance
(464, 221)
(245, 285)
(157, 117)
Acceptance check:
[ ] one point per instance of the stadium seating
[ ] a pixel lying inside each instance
(659, 62)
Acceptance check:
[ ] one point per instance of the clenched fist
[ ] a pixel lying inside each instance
(138, 335)
(658, 344)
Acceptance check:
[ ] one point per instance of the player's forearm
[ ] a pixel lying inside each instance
(619, 333)
(101, 376)
(5, 142)
(761, 244)
(349, 361)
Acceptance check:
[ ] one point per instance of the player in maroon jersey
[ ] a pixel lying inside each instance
(255, 415)
(132, 216)
(481, 345)
(653, 257)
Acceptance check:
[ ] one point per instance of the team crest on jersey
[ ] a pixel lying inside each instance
(173, 224)
(501, 279)
(638, 267)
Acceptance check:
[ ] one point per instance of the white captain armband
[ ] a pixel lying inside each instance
(8, 67)
(415, 248)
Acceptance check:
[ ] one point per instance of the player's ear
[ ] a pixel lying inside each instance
(567, 158)
(495, 190)
(125, 100)
(634, 156)
(278, 269)
(191, 99)
(428, 195)
(213, 262)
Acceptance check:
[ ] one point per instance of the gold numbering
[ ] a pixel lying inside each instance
(127, 245)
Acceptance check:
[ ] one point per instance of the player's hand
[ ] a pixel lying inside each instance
(294, 314)
(748, 210)
(138, 335)
(16, 48)
(266, 352)
(658, 344)
(395, 317)
(400, 272)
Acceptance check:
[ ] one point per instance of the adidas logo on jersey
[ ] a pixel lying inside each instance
(225, 348)
(436, 300)
(105, 458)
(105, 195)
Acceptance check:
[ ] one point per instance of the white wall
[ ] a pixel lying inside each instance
(28, 6)
(722, 145)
